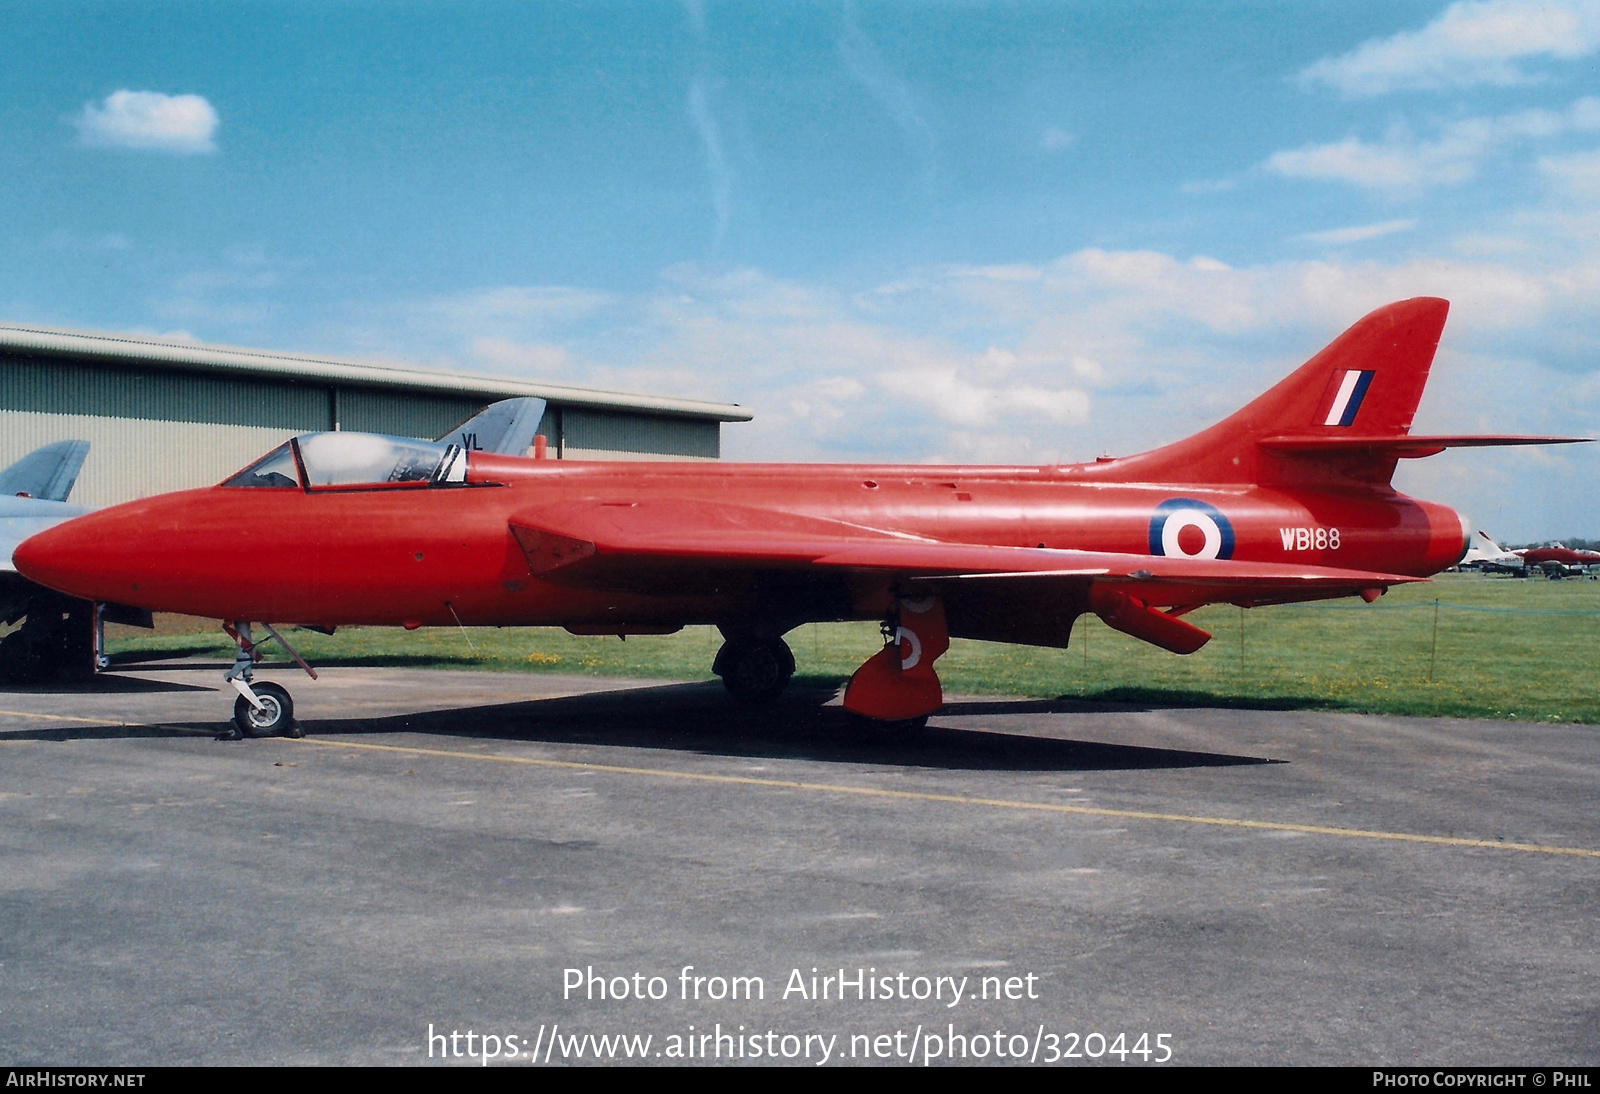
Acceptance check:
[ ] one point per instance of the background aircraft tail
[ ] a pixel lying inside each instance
(1493, 543)
(47, 473)
(1343, 416)
(505, 428)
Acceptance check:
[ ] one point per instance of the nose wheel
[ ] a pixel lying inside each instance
(263, 709)
(274, 716)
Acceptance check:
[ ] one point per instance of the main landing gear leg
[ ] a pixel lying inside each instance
(897, 686)
(264, 708)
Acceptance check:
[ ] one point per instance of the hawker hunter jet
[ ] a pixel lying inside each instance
(1287, 500)
(57, 631)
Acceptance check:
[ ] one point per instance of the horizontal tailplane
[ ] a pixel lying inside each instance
(1402, 446)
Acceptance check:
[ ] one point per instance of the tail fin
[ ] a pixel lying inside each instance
(48, 473)
(505, 428)
(1365, 384)
(1492, 542)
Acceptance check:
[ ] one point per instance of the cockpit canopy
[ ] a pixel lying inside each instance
(339, 460)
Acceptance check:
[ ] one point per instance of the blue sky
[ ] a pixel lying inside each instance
(974, 232)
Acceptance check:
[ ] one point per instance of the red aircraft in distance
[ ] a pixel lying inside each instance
(1559, 555)
(1287, 500)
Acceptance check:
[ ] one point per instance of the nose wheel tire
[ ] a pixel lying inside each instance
(276, 715)
(755, 670)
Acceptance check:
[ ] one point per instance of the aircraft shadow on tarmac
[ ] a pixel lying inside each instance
(107, 684)
(110, 732)
(700, 718)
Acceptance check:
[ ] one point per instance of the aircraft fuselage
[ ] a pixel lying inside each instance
(416, 554)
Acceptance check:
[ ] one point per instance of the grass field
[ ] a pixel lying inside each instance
(1506, 648)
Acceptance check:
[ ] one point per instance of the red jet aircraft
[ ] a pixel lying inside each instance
(1559, 554)
(1287, 500)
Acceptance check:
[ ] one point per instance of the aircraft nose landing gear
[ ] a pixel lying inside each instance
(262, 709)
(276, 712)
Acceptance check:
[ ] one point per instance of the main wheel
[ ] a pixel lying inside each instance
(276, 715)
(754, 670)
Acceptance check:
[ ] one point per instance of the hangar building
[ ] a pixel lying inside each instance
(162, 415)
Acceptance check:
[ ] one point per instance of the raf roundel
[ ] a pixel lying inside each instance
(1186, 528)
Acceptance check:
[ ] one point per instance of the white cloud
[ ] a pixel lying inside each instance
(1208, 186)
(1359, 233)
(522, 304)
(1577, 174)
(149, 120)
(952, 396)
(1054, 139)
(1014, 272)
(1097, 350)
(1088, 370)
(505, 355)
(1470, 42)
(71, 241)
(1402, 162)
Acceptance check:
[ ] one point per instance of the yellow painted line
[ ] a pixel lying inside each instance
(66, 718)
(100, 722)
(959, 799)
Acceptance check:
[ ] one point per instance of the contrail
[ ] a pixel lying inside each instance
(705, 124)
(892, 93)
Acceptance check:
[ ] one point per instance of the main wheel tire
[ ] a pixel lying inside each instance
(276, 717)
(755, 670)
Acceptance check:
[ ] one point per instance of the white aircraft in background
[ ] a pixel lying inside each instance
(56, 630)
(1488, 556)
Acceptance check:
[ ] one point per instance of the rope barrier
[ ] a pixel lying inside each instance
(1442, 604)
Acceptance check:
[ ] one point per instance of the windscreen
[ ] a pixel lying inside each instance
(275, 469)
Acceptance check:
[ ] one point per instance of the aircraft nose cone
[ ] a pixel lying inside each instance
(68, 558)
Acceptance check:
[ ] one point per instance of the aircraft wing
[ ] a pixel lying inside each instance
(642, 544)
(33, 493)
(24, 517)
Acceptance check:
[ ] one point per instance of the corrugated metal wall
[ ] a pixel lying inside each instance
(592, 435)
(134, 458)
(65, 387)
(402, 413)
(152, 431)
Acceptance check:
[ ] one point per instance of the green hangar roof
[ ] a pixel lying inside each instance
(98, 347)
(163, 415)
